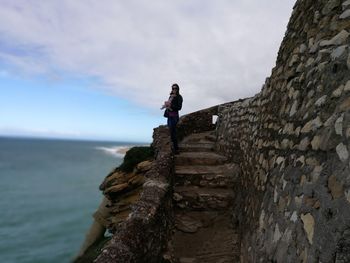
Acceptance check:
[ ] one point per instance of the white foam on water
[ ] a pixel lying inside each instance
(117, 151)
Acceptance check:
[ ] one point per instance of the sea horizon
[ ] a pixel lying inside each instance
(72, 139)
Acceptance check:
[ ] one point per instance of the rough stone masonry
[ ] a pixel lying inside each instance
(292, 143)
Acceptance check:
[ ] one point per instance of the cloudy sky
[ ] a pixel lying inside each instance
(101, 69)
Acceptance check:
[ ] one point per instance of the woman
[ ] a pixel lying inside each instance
(172, 113)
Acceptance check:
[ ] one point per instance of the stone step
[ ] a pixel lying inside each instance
(207, 176)
(197, 147)
(203, 197)
(210, 137)
(200, 137)
(200, 169)
(205, 237)
(199, 158)
(200, 198)
(193, 221)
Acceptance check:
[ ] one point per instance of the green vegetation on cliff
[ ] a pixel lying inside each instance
(134, 156)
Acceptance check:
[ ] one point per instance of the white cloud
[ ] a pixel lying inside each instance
(217, 51)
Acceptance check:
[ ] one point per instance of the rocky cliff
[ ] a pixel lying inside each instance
(291, 200)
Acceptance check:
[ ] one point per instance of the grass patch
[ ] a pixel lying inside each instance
(134, 156)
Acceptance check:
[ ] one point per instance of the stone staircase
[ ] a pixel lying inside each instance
(203, 196)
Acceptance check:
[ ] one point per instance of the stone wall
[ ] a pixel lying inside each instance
(144, 234)
(292, 141)
(199, 121)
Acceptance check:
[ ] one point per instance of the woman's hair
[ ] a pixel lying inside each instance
(175, 85)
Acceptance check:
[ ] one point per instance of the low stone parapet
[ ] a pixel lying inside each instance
(144, 234)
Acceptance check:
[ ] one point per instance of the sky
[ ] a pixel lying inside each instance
(101, 70)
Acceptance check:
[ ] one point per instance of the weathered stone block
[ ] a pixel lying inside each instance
(338, 92)
(321, 67)
(294, 108)
(309, 62)
(335, 187)
(347, 195)
(339, 52)
(309, 225)
(294, 217)
(331, 120)
(302, 48)
(329, 140)
(347, 85)
(316, 173)
(339, 39)
(304, 144)
(330, 5)
(321, 101)
(312, 125)
(312, 161)
(345, 14)
(277, 234)
(339, 125)
(285, 144)
(303, 180)
(293, 60)
(315, 143)
(342, 152)
(262, 220)
(346, 4)
(298, 200)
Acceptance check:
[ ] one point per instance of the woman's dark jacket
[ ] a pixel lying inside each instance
(176, 105)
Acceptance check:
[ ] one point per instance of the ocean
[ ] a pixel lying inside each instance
(48, 193)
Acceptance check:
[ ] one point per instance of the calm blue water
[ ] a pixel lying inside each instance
(48, 192)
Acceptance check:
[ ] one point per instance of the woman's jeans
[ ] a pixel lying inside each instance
(172, 121)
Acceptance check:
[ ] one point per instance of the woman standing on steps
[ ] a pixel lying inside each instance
(172, 113)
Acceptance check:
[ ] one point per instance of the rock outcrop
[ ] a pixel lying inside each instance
(121, 190)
